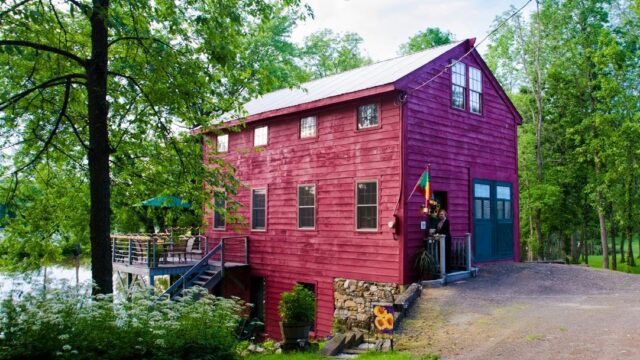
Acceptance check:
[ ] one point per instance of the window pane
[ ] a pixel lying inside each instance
(486, 209)
(367, 193)
(507, 210)
(367, 217)
(260, 136)
(475, 102)
(481, 190)
(306, 217)
(306, 195)
(457, 97)
(258, 211)
(503, 192)
(367, 116)
(458, 74)
(499, 209)
(475, 80)
(308, 127)
(218, 213)
(478, 209)
(223, 143)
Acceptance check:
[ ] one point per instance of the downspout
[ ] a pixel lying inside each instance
(402, 97)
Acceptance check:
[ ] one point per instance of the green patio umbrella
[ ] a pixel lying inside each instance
(165, 202)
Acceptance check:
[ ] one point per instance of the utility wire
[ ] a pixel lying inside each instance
(473, 48)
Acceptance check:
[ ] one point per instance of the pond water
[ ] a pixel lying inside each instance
(55, 276)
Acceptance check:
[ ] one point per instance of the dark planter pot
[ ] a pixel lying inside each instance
(293, 332)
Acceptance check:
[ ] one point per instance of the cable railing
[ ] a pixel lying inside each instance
(157, 250)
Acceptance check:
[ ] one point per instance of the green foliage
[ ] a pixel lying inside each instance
(297, 305)
(69, 324)
(326, 53)
(425, 264)
(431, 37)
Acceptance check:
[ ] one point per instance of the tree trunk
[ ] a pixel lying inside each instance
(603, 238)
(574, 248)
(612, 231)
(630, 260)
(99, 151)
(622, 242)
(538, 227)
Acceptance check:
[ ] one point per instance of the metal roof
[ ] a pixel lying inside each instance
(380, 73)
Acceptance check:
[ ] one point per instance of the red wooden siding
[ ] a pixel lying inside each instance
(333, 161)
(459, 145)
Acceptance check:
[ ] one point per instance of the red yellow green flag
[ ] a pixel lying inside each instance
(423, 185)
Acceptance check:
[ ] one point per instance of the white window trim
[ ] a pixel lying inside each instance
(298, 207)
(218, 143)
(480, 97)
(266, 206)
(377, 205)
(464, 86)
(255, 132)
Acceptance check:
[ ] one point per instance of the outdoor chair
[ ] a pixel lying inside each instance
(179, 249)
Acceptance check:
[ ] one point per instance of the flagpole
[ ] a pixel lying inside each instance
(412, 191)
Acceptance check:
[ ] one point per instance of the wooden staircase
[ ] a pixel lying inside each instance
(206, 273)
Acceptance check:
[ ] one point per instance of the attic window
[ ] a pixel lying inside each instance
(308, 127)
(475, 90)
(260, 136)
(367, 116)
(222, 144)
(458, 84)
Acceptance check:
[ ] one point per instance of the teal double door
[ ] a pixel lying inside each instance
(492, 220)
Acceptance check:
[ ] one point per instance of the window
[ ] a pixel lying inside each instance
(503, 202)
(475, 90)
(308, 127)
(222, 144)
(367, 116)
(306, 206)
(367, 205)
(258, 209)
(458, 84)
(260, 136)
(219, 207)
(482, 201)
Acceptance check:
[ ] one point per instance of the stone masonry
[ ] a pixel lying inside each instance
(353, 299)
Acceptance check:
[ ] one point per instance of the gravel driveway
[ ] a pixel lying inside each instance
(528, 311)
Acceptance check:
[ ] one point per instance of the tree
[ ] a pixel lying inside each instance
(95, 80)
(431, 37)
(325, 53)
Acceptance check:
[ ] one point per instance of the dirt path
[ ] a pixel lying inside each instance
(529, 311)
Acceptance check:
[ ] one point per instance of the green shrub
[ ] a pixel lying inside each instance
(297, 306)
(69, 324)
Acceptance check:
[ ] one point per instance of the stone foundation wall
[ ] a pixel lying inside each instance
(353, 299)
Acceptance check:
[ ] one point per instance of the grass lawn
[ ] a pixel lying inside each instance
(595, 261)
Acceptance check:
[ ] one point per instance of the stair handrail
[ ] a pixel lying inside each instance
(195, 268)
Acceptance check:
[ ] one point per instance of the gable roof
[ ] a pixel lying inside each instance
(377, 78)
(362, 78)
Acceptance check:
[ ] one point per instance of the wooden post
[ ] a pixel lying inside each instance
(149, 256)
(154, 260)
(246, 250)
(113, 250)
(130, 244)
(468, 252)
(206, 244)
(443, 258)
(222, 256)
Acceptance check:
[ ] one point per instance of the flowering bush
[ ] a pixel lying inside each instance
(69, 324)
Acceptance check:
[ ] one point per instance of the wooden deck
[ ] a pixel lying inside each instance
(167, 269)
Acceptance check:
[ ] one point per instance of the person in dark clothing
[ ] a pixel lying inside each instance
(443, 229)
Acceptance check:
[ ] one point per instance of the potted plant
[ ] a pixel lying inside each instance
(297, 311)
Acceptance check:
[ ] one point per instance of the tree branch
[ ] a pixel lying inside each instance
(44, 47)
(140, 39)
(86, 9)
(47, 84)
(76, 132)
(14, 7)
(49, 139)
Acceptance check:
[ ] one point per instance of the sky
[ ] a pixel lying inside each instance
(385, 24)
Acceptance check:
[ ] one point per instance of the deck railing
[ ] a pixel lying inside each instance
(459, 257)
(155, 250)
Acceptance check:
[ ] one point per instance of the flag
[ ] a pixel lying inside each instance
(423, 186)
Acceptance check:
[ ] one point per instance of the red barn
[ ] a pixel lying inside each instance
(327, 166)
